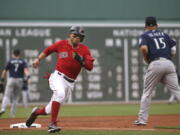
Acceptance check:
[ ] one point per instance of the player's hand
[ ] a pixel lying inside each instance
(26, 79)
(36, 63)
(1, 88)
(1, 80)
(79, 58)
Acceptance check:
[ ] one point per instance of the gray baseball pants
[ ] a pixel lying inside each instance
(162, 70)
(12, 92)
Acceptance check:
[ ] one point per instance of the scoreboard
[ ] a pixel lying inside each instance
(118, 67)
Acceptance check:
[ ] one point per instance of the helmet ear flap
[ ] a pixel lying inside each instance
(82, 38)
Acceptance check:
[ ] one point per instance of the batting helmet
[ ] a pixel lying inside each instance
(78, 30)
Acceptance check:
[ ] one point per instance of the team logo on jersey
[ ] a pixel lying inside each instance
(63, 55)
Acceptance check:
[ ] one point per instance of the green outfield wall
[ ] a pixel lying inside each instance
(88, 9)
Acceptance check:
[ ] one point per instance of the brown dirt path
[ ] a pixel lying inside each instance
(101, 123)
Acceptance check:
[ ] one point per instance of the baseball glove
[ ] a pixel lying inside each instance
(78, 58)
(1, 88)
(47, 75)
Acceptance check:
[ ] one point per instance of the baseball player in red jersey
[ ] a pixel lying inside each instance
(72, 56)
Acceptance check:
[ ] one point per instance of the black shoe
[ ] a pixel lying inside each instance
(2, 112)
(52, 128)
(139, 123)
(32, 117)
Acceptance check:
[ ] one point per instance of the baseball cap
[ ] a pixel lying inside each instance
(16, 52)
(150, 21)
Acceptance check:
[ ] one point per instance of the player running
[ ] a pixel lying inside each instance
(72, 56)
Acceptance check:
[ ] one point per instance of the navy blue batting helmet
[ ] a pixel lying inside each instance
(78, 30)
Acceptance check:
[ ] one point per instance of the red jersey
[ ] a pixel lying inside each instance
(65, 62)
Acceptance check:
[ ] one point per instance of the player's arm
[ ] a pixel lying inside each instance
(45, 53)
(3, 75)
(172, 44)
(143, 46)
(27, 74)
(36, 62)
(86, 60)
(173, 51)
(4, 72)
(144, 51)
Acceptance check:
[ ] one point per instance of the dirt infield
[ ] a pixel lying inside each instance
(101, 123)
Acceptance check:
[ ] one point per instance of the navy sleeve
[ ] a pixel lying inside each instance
(142, 40)
(171, 41)
(8, 66)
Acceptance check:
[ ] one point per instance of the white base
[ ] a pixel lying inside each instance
(23, 125)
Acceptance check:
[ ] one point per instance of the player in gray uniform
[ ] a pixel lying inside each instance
(172, 97)
(157, 49)
(16, 67)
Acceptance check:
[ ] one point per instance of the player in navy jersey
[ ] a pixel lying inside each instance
(157, 49)
(18, 70)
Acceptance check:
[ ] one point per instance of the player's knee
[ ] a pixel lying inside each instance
(60, 97)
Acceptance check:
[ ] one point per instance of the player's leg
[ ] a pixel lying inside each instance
(24, 94)
(25, 98)
(34, 114)
(53, 107)
(171, 99)
(152, 78)
(15, 96)
(6, 98)
(13, 104)
(60, 88)
(69, 92)
(48, 108)
(171, 82)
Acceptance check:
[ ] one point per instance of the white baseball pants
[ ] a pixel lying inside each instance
(61, 89)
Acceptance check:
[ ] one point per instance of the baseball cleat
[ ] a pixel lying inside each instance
(2, 112)
(52, 128)
(139, 123)
(32, 117)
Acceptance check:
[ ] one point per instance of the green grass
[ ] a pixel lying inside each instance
(87, 132)
(171, 127)
(103, 110)
(98, 110)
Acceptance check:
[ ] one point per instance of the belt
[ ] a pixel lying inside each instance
(161, 58)
(66, 78)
